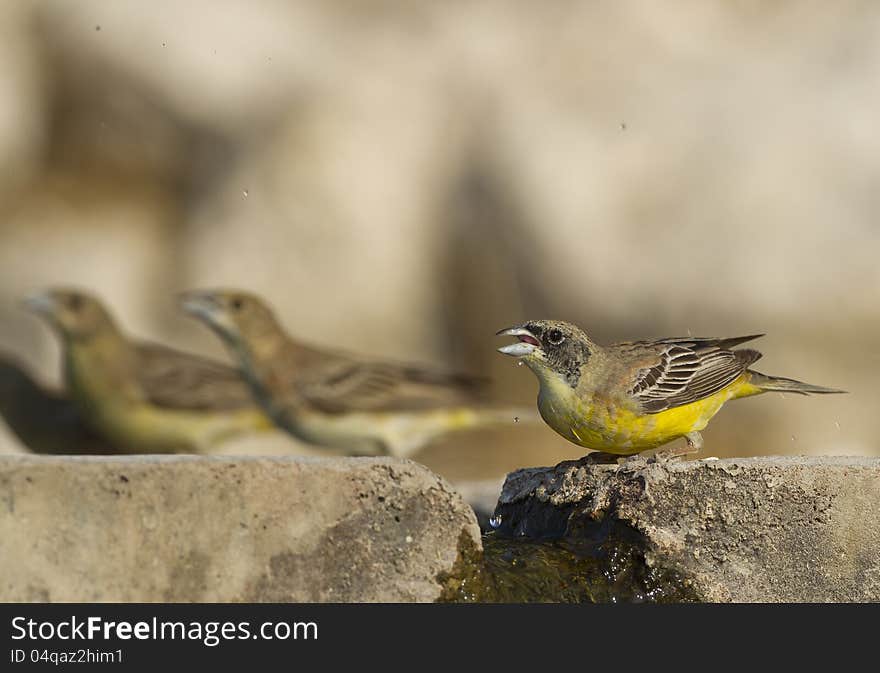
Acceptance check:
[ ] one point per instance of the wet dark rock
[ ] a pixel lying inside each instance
(752, 529)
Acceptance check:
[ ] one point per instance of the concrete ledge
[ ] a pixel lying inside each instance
(182, 528)
(757, 529)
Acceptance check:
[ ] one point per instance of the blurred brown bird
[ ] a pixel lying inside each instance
(336, 400)
(141, 397)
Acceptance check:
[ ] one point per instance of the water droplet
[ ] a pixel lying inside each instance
(163, 44)
(623, 126)
(516, 419)
(793, 437)
(837, 424)
(245, 193)
(519, 364)
(408, 539)
(495, 521)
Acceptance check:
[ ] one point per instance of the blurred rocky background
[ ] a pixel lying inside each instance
(405, 178)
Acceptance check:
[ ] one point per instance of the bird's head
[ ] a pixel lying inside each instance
(550, 347)
(237, 317)
(75, 314)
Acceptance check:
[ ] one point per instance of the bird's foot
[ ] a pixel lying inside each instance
(634, 461)
(694, 444)
(671, 454)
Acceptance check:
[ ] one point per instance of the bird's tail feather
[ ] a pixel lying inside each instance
(781, 384)
(505, 415)
(415, 431)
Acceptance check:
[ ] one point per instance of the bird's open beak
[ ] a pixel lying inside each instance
(206, 307)
(41, 303)
(526, 345)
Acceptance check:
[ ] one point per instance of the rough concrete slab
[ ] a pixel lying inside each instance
(754, 529)
(184, 528)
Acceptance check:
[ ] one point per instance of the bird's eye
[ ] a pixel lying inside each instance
(237, 304)
(555, 336)
(74, 302)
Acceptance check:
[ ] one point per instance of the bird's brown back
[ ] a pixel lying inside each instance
(672, 372)
(334, 382)
(174, 379)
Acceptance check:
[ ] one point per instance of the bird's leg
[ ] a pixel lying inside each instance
(694, 444)
(694, 441)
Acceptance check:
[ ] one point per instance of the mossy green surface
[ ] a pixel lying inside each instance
(607, 566)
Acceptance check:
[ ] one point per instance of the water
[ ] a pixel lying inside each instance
(605, 569)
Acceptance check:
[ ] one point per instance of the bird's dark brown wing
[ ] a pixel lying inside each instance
(724, 343)
(674, 372)
(179, 380)
(341, 384)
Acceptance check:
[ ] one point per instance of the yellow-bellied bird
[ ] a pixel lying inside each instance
(630, 397)
(356, 405)
(143, 397)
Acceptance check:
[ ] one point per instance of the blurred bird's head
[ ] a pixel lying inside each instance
(550, 347)
(237, 317)
(74, 314)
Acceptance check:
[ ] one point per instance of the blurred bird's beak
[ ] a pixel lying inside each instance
(206, 306)
(41, 303)
(527, 344)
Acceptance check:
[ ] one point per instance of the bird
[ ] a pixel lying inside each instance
(348, 403)
(629, 397)
(143, 397)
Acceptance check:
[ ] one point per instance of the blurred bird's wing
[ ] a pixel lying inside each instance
(673, 372)
(341, 384)
(179, 380)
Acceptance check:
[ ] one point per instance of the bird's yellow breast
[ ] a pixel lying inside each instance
(604, 424)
